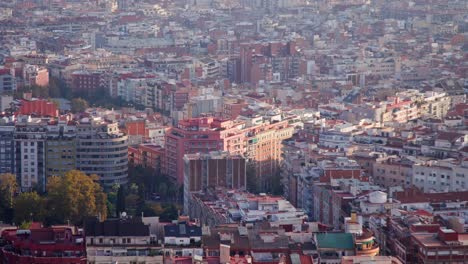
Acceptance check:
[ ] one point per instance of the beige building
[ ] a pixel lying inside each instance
(392, 171)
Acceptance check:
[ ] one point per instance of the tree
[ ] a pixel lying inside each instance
(8, 187)
(170, 213)
(79, 105)
(75, 196)
(252, 181)
(162, 189)
(120, 207)
(29, 206)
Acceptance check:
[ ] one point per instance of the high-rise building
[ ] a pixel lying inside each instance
(199, 135)
(35, 149)
(60, 147)
(30, 136)
(102, 150)
(258, 139)
(7, 164)
(273, 61)
(212, 170)
(7, 81)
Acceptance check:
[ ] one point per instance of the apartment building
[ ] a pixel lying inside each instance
(60, 147)
(102, 150)
(37, 244)
(7, 147)
(35, 75)
(257, 139)
(392, 171)
(441, 176)
(146, 155)
(213, 170)
(7, 80)
(30, 156)
(121, 240)
(35, 149)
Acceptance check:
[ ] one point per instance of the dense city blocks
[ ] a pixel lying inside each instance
(233, 131)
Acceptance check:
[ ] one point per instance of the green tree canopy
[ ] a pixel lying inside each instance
(29, 206)
(74, 197)
(120, 207)
(79, 105)
(8, 187)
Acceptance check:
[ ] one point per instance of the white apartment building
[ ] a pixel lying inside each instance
(441, 176)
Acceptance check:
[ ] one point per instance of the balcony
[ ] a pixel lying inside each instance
(372, 251)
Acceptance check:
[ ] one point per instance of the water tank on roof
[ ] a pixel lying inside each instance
(378, 197)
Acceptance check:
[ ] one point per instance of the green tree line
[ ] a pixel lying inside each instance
(70, 198)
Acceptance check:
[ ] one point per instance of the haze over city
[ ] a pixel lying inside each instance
(233, 131)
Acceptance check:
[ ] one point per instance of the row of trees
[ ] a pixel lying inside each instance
(145, 185)
(75, 196)
(70, 198)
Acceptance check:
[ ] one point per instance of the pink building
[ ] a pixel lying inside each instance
(35, 75)
(199, 135)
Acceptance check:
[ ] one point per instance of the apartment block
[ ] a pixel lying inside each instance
(30, 156)
(211, 171)
(102, 150)
(257, 139)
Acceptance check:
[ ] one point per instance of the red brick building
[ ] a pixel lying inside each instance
(146, 155)
(84, 81)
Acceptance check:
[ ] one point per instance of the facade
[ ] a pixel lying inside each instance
(146, 155)
(54, 245)
(38, 107)
(7, 81)
(35, 149)
(445, 246)
(60, 148)
(260, 61)
(182, 234)
(392, 171)
(7, 149)
(102, 150)
(257, 139)
(35, 75)
(124, 240)
(86, 81)
(200, 135)
(440, 176)
(30, 156)
(213, 170)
